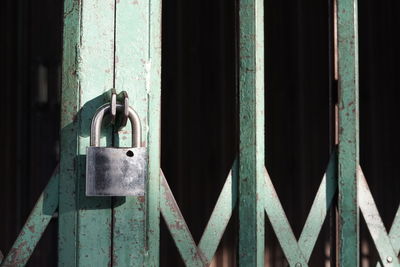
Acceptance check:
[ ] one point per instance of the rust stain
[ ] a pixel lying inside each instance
(114, 260)
(32, 228)
(141, 199)
(74, 117)
(178, 225)
(16, 252)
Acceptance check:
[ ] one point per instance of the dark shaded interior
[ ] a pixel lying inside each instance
(30, 70)
(199, 129)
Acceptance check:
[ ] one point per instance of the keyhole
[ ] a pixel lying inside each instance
(129, 153)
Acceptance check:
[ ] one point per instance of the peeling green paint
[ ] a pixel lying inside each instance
(131, 61)
(319, 210)
(202, 254)
(348, 153)
(220, 216)
(251, 138)
(84, 222)
(299, 252)
(154, 135)
(109, 44)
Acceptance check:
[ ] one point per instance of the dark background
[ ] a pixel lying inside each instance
(199, 130)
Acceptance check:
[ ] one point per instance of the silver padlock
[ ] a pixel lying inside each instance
(116, 171)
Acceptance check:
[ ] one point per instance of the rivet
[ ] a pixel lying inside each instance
(389, 259)
(298, 264)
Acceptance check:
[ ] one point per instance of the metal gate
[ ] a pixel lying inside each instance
(116, 44)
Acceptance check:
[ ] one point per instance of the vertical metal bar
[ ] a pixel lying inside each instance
(67, 185)
(137, 71)
(131, 63)
(251, 144)
(332, 121)
(348, 133)
(154, 136)
(84, 222)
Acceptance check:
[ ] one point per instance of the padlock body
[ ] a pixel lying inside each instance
(113, 171)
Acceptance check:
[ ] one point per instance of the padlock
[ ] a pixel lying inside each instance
(116, 171)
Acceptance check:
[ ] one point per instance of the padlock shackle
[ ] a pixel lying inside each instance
(95, 128)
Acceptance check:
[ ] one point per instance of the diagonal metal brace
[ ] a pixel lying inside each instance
(201, 254)
(34, 227)
(298, 252)
(383, 242)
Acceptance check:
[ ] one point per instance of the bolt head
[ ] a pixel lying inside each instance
(298, 264)
(389, 259)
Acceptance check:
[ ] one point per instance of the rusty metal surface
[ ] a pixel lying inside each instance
(190, 253)
(84, 223)
(298, 252)
(348, 148)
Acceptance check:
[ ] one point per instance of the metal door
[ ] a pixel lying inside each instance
(117, 44)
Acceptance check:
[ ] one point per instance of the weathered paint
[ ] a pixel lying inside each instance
(281, 226)
(90, 63)
(375, 224)
(109, 44)
(319, 209)
(131, 72)
(84, 222)
(138, 72)
(154, 136)
(69, 127)
(299, 252)
(348, 153)
(190, 253)
(220, 216)
(394, 232)
(35, 225)
(251, 121)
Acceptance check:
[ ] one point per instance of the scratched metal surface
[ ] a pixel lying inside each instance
(113, 172)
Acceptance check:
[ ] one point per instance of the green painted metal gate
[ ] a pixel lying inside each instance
(116, 44)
